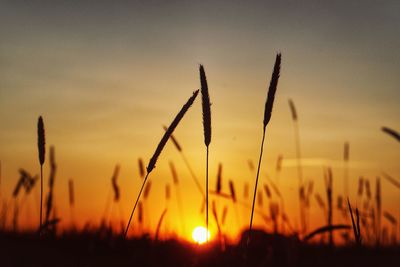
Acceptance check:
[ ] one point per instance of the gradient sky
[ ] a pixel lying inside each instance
(106, 76)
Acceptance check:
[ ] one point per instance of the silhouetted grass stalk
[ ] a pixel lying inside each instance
(299, 167)
(117, 194)
(346, 154)
(356, 226)
(147, 217)
(159, 148)
(71, 201)
(50, 196)
(140, 217)
(159, 224)
(328, 185)
(278, 168)
(42, 151)
(378, 200)
(167, 204)
(267, 116)
(206, 107)
(282, 204)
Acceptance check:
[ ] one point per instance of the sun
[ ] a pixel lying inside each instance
(199, 235)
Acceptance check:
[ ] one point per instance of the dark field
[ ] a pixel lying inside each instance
(102, 249)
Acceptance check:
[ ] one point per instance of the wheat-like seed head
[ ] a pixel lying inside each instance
(232, 190)
(390, 218)
(320, 201)
(140, 212)
(71, 192)
(19, 185)
(259, 199)
(378, 198)
(53, 166)
(340, 202)
(293, 110)
(279, 163)
(115, 184)
(360, 186)
(267, 191)
(224, 213)
(346, 151)
(141, 167)
(368, 189)
(271, 90)
(310, 188)
(41, 140)
(168, 133)
(174, 173)
(219, 179)
(206, 107)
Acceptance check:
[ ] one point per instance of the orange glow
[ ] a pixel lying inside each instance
(200, 234)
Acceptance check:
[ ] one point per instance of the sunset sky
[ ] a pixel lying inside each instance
(106, 77)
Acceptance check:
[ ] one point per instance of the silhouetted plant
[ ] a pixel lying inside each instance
(163, 141)
(42, 151)
(206, 126)
(267, 116)
(392, 133)
(299, 166)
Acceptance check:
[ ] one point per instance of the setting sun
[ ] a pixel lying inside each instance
(199, 235)
(200, 133)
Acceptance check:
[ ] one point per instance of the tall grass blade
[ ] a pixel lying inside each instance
(42, 151)
(299, 166)
(267, 116)
(356, 231)
(206, 107)
(292, 110)
(378, 203)
(160, 147)
(50, 196)
(159, 224)
(346, 156)
(232, 190)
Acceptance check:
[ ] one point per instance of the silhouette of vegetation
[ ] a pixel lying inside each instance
(277, 240)
(159, 148)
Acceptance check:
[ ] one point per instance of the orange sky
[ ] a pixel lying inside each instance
(107, 78)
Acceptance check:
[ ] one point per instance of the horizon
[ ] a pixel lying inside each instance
(106, 78)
